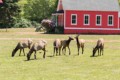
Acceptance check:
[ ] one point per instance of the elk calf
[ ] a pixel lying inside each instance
(41, 45)
(66, 43)
(57, 46)
(80, 44)
(21, 45)
(99, 47)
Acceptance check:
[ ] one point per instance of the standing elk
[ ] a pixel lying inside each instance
(57, 46)
(99, 47)
(41, 45)
(80, 44)
(22, 45)
(66, 43)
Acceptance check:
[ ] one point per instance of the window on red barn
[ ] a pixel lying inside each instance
(86, 19)
(98, 20)
(73, 19)
(110, 20)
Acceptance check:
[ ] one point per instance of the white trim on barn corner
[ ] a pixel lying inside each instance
(64, 19)
(100, 20)
(109, 20)
(93, 28)
(74, 19)
(118, 20)
(88, 20)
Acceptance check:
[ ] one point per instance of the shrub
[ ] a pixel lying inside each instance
(35, 24)
(22, 23)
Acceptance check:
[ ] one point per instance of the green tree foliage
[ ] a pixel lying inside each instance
(39, 9)
(9, 10)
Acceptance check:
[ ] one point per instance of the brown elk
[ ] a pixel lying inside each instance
(99, 47)
(80, 44)
(21, 45)
(41, 45)
(66, 43)
(57, 46)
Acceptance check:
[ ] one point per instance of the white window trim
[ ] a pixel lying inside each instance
(88, 19)
(100, 20)
(112, 22)
(76, 19)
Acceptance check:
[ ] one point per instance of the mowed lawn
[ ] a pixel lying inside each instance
(64, 67)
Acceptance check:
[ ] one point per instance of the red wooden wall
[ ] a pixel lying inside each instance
(80, 19)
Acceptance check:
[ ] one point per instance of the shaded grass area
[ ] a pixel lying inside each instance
(63, 67)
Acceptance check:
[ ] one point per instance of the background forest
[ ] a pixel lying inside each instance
(25, 13)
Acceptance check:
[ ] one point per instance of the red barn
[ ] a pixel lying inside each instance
(88, 16)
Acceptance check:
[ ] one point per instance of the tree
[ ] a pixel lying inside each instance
(39, 9)
(9, 10)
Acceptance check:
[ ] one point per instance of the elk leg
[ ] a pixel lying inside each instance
(35, 55)
(63, 49)
(98, 52)
(20, 52)
(102, 49)
(56, 51)
(78, 50)
(82, 50)
(59, 51)
(24, 51)
(44, 52)
(69, 50)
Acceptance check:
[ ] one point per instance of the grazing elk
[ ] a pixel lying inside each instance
(66, 43)
(80, 44)
(21, 45)
(99, 47)
(41, 45)
(57, 46)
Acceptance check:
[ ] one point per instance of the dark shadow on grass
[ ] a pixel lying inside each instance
(93, 56)
(18, 56)
(50, 56)
(32, 60)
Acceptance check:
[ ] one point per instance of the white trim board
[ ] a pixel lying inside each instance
(93, 28)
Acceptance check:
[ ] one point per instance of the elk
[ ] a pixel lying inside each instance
(41, 45)
(66, 43)
(99, 47)
(22, 45)
(80, 44)
(57, 46)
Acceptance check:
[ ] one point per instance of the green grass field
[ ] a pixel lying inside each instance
(67, 67)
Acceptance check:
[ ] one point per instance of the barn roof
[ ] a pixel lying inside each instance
(93, 5)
